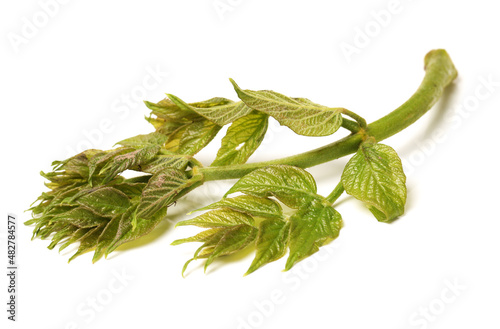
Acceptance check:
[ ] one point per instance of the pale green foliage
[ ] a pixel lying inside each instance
(163, 189)
(165, 160)
(243, 137)
(249, 204)
(220, 114)
(105, 201)
(140, 141)
(80, 217)
(196, 137)
(228, 232)
(128, 160)
(223, 217)
(291, 185)
(299, 114)
(271, 243)
(375, 176)
(312, 226)
(187, 132)
(92, 204)
(113, 210)
(258, 220)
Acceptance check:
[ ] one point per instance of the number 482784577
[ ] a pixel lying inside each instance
(11, 240)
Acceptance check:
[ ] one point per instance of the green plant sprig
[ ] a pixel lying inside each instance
(91, 204)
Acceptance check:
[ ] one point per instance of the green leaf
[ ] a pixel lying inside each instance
(243, 137)
(131, 189)
(212, 102)
(186, 125)
(163, 161)
(141, 141)
(61, 178)
(106, 201)
(229, 231)
(100, 159)
(57, 198)
(311, 227)
(50, 227)
(87, 242)
(271, 244)
(218, 114)
(78, 164)
(63, 234)
(196, 136)
(223, 217)
(234, 239)
(76, 236)
(120, 230)
(132, 228)
(158, 124)
(128, 160)
(136, 179)
(163, 189)
(81, 217)
(109, 234)
(169, 111)
(166, 127)
(191, 138)
(375, 176)
(204, 236)
(251, 205)
(291, 185)
(175, 137)
(98, 218)
(299, 114)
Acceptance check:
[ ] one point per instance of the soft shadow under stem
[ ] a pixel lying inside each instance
(441, 109)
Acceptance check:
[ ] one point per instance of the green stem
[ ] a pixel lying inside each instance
(439, 72)
(350, 125)
(195, 162)
(361, 121)
(336, 193)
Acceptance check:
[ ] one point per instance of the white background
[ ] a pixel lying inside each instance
(83, 69)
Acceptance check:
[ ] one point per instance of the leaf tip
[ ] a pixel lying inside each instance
(235, 85)
(207, 263)
(176, 100)
(185, 267)
(97, 256)
(249, 271)
(289, 264)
